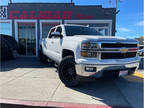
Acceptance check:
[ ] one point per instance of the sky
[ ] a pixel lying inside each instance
(129, 21)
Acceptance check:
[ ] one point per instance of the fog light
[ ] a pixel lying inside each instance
(90, 69)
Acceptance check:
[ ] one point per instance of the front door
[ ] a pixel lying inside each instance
(27, 38)
(57, 41)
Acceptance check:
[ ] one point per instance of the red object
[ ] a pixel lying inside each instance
(24, 15)
(46, 15)
(32, 16)
(82, 16)
(13, 14)
(56, 15)
(54, 104)
(67, 15)
(133, 49)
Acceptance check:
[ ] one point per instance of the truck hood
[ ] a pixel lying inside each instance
(105, 38)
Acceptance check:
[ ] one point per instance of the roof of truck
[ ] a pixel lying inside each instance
(73, 25)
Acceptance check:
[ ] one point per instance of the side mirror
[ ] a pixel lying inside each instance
(56, 34)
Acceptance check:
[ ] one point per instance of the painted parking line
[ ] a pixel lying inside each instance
(20, 103)
(138, 74)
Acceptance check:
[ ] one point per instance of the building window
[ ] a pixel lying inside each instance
(5, 28)
(27, 38)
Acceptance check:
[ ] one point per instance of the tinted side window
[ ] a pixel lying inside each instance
(52, 30)
(59, 29)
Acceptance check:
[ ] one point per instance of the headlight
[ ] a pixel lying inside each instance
(88, 54)
(89, 45)
(89, 49)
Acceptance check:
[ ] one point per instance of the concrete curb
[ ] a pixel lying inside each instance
(13, 103)
(138, 74)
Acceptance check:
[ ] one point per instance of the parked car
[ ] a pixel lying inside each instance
(9, 47)
(141, 50)
(82, 51)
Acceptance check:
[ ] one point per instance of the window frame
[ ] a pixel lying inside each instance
(49, 34)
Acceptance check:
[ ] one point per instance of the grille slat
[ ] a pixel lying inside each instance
(117, 55)
(117, 45)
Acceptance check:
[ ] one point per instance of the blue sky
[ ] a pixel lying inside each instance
(130, 19)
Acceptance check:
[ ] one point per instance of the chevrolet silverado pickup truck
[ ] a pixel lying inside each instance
(83, 51)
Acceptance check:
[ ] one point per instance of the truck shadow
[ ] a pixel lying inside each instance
(141, 65)
(23, 62)
(114, 92)
(33, 62)
(21, 106)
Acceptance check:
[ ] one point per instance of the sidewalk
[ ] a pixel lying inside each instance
(28, 79)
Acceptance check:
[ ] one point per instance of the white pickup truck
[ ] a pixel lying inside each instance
(82, 51)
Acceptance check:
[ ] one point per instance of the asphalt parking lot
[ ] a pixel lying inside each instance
(25, 78)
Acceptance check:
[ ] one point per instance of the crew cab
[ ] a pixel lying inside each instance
(83, 51)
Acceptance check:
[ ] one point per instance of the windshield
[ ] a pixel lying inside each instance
(80, 30)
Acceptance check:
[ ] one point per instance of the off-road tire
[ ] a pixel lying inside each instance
(67, 72)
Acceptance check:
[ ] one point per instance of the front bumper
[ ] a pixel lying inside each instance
(105, 67)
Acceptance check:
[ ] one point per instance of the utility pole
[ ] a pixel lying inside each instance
(71, 1)
(115, 16)
(116, 4)
(110, 2)
(10, 1)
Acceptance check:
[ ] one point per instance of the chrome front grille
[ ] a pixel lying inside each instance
(117, 55)
(118, 45)
(114, 50)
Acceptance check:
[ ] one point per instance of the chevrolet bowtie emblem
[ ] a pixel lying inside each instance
(123, 50)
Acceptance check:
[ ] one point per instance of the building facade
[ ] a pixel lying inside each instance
(30, 22)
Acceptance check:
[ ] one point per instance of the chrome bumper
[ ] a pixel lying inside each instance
(100, 68)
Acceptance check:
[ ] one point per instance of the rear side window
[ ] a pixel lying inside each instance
(52, 30)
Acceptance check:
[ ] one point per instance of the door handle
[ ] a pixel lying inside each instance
(52, 42)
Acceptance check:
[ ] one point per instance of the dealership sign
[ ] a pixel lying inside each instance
(46, 15)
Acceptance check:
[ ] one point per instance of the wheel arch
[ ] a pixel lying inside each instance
(67, 52)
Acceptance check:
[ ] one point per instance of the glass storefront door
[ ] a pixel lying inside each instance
(27, 38)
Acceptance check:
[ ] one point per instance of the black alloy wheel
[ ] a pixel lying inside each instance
(67, 71)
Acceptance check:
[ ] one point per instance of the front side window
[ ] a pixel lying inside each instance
(59, 29)
(80, 30)
(46, 28)
(52, 30)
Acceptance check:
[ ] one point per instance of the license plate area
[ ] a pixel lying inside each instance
(123, 72)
